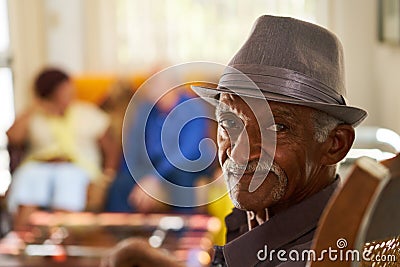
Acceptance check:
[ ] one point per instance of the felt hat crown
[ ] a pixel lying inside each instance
(289, 61)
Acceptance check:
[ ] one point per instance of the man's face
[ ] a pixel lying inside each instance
(246, 135)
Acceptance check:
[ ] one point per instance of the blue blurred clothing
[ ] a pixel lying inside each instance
(186, 126)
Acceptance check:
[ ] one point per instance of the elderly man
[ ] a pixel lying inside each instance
(279, 162)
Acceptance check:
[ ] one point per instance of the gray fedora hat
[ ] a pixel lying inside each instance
(289, 61)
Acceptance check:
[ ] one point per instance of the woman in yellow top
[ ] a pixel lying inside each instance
(65, 139)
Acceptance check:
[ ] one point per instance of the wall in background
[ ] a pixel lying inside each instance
(84, 45)
(355, 24)
(65, 33)
(28, 46)
(387, 75)
(100, 35)
(372, 68)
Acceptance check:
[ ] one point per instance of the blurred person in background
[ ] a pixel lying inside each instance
(124, 194)
(65, 139)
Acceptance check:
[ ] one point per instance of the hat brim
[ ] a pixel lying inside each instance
(348, 114)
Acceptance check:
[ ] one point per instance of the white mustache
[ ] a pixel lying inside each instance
(255, 166)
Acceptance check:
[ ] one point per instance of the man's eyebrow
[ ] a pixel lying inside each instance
(283, 113)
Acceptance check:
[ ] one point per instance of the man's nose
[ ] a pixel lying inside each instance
(243, 150)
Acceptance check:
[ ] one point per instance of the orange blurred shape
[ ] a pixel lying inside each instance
(60, 254)
(136, 80)
(204, 258)
(93, 88)
(60, 258)
(214, 224)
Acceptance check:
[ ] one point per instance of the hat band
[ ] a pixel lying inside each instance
(279, 81)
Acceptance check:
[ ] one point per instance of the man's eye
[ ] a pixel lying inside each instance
(277, 127)
(228, 124)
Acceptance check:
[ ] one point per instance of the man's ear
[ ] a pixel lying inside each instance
(338, 144)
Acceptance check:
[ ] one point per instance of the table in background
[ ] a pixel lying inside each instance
(81, 239)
